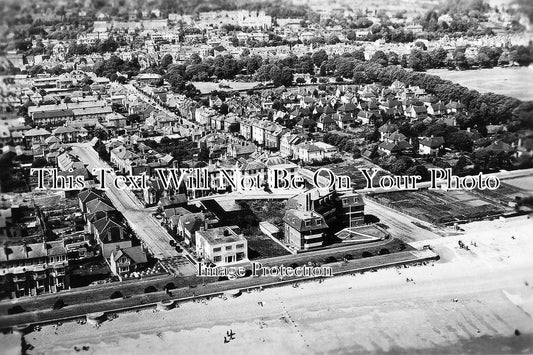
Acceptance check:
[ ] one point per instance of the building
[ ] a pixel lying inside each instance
(127, 260)
(430, 145)
(33, 269)
(350, 209)
(304, 229)
(221, 245)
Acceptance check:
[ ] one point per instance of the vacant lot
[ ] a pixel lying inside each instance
(440, 207)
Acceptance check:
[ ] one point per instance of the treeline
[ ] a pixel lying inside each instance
(114, 64)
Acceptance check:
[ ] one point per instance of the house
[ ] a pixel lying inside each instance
(304, 229)
(395, 143)
(127, 260)
(33, 269)
(391, 107)
(289, 145)
(109, 234)
(187, 225)
(454, 107)
(386, 129)
(436, 109)
(326, 123)
(246, 129)
(309, 153)
(416, 112)
(69, 134)
(243, 150)
(350, 210)
(430, 145)
(368, 117)
(306, 125)
(273, 133)
(87, 195)
(36, 135)
(343, 120)
(221, 245)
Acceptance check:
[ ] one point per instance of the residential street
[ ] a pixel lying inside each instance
(148, 229)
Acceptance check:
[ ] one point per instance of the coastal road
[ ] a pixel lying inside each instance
(81, 303)
(148, 229)
(136, 287)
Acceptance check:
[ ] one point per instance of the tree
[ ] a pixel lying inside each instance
(460, 140)
(459, 59)
(333, 39)
(380, 58)
(394, 58)
(438, 57)
(166, 61)
(300, 80)
(421, 45)
(102, 152)
(366, 254)
(319, 57)
(417, 60)
(39, 163)
(344, 67)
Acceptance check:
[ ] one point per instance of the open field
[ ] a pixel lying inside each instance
(513, 82)
(207, 86)
(377, 312)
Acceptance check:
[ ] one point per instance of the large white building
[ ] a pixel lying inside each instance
(221, 245)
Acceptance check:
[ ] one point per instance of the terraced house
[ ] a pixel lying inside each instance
(33, 269)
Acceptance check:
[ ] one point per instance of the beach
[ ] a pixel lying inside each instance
(469, 301)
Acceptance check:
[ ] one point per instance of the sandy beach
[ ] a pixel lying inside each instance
(469, 301)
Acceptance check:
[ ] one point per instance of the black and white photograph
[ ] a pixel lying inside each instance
(266, 177)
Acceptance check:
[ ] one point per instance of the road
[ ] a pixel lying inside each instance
(400, 225)
(132, 287)
(141, 95)
(148, 229)
(251, 195)
(82, 304)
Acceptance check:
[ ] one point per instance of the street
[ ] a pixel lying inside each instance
(148, 229)
(90, 300)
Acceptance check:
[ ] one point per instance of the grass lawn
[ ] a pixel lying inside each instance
(513, 82)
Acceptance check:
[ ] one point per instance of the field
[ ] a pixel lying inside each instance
(513, 82)
(440, 207)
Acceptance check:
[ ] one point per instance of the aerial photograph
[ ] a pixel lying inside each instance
(266, 177)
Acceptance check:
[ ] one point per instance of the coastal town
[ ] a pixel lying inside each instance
(157, 154)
